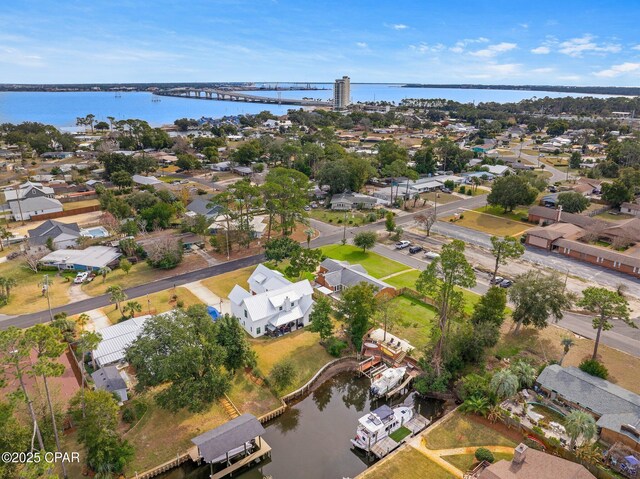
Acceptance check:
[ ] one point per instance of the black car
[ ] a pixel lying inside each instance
(415, 249)
(505, 283)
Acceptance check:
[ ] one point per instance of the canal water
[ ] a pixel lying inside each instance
(312, 438)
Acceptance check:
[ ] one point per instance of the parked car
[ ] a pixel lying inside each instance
(445, 190)
(553, 189)
(505, 283)
(307, 208)
(415, 249)
(431, 255)
(496, 280)
(81, 277)
(403, 244)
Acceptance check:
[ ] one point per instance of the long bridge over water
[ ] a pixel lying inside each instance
(227, 95)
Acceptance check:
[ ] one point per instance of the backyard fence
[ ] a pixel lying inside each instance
(61, 214)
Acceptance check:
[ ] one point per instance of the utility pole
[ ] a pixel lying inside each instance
(45, 290)
(19, 200)
(344, 230)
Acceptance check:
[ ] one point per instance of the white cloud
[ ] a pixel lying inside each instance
(570, 77)
(398, 26)
(524, 25)
(362, 44)
(576, 47)
(493, 50)
(542, 70)
(637, 47)
(426, 48)
(541, 50)
(617, 70)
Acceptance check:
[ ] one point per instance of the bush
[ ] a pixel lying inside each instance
(538, 430)
(335, 346)
(595, 368)
(462, 190)
(483, 454)
(134, 411)
(283, 374)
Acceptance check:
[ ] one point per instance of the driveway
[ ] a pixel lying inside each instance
(205, 295)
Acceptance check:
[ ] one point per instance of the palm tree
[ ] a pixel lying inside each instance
(495, 413)
(8, 284)
(3, 281)
(83, 320)
(5, 234)
(104, 271)
(309, 232)
(504, 384)
(579, 423)
(567, 344)
(111, 119)
(525, 373)
(132, 307)
(117, 295)
(476, 405)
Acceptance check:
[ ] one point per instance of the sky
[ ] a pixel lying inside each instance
(564, 42)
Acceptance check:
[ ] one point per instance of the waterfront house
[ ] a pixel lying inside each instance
(274, 305)
(115, 341)
(110, 379)
(528, 463)
(616, 410)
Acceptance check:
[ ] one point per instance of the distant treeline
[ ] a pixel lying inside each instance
(595, 90)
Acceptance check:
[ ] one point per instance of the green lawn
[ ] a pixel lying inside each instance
(516, 214)
(157, 302)
(488, 223)
(302, 347)
(26, 296)
(466, 462)
(460, 430)
(376, 265)
(407, 464)
(338, 217)
(443, 198)
(404, 280)
(415, 322)
(224, 283)
(140, 273)
(399, 434)
(609, 217)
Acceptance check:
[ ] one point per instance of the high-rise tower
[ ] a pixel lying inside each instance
(341, 93)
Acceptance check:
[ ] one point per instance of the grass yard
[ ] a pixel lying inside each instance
(609, 217)
(407, 464)
(515, 215)
(541, 346)
(248, 397)
(460, 430)
(301, 346)
(490, 224)
(27, 296)
(466, 462)
(158, 302)
(74, 205)
(443, 198)
(415, 323)
(404, 280)
(376, 265)
(140, 273)
(224, 283)
(338, 217)
(161, 434)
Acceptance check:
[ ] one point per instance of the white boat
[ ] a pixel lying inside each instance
(378, 424)
(389, 379)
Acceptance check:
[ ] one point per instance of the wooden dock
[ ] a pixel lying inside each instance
(385, 446)
(264, 450)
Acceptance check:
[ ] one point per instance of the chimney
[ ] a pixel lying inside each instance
(519, 454)
(559, 210)
(287, 304)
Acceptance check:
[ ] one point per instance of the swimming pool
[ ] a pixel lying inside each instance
(95, 232)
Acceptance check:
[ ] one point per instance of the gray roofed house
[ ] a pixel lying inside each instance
(616, 409)
(350, 201)
(145, 180)
(199, 206)
(28, 189)
(28, 207)
(218, 442)
(88, 259)
(63, 235)
(337, 275)
(110, 379)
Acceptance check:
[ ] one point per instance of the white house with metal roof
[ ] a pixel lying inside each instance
(274, 303)
(115, 341)
(89, 259)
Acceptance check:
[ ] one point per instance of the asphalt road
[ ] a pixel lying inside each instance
(622, 337)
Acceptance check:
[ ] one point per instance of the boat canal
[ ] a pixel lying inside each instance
(312, 438)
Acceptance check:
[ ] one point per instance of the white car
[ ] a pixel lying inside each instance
(403, 244)
(81, 277)
(431, 255)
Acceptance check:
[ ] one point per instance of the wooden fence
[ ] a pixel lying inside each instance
(414, 294)
(60, 214)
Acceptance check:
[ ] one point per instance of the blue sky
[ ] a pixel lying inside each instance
(544, 42)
